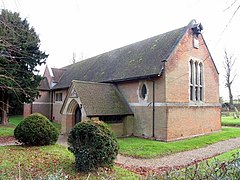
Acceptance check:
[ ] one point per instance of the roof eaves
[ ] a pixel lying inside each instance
(210, 55)
(131, 78)
(122, 114)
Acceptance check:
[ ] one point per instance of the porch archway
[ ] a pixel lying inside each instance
(74, 110)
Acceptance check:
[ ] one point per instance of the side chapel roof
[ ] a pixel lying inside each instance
(100, 99)
(139, 60)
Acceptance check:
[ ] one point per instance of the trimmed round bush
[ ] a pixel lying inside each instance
(93, 144)
(36, 130)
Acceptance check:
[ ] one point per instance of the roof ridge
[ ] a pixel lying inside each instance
(91, 82)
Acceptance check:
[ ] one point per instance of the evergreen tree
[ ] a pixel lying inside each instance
(19, 57)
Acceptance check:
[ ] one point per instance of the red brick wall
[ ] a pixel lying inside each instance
(177, 71)
(42, 105)
(184, 122)
(44, 109)
(57, 116)
(27, 110)
(191, 118)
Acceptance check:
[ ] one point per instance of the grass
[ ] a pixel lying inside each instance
(8, 130)
(230, 121)
(225, 156)
(144, 148)
(224, 166)
(40, 162)
(15, 120)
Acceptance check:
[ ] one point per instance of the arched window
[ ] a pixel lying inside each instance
(196, 81)
(196, 72)
(143, 91)
(201, 81)
(191, 80)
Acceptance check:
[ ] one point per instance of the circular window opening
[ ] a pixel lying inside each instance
(143, 91)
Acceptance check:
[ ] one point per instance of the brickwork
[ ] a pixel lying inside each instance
(177, 71)
(44, 96)
(44, 109)
(57, 105)
(184, 122)
(42, 105)
(128, 125)
(27, 110)
(117, 128)
(160, 130)
(56, 116)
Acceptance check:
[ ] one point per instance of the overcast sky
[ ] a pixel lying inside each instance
(90, 27)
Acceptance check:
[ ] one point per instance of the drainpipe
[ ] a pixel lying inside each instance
(153, 110)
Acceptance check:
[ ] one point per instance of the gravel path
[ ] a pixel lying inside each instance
(182, 158)
(6, 141)
(179, 159)
(175, 160)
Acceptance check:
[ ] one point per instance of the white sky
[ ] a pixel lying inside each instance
(91, 27)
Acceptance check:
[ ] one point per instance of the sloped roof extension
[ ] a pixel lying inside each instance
(101, 99)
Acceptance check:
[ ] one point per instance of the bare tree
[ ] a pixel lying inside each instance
(228, 65)
(74, 58)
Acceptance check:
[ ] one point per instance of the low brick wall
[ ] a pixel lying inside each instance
(117, 128)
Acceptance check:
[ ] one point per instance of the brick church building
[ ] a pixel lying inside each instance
(165, 87)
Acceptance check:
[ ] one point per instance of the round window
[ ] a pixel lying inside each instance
(143, 91)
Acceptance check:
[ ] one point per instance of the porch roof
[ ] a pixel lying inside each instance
(101, 99)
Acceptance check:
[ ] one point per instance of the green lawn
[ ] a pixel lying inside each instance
(145, 148)
(6, 131)
(225, 156)
(230, 121)
(15, 120)
(9, 129)
(42, 162)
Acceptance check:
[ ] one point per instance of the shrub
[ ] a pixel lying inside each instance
(36, 130)
(93, 144)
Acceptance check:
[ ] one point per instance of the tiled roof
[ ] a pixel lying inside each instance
(57, 73)
(138, 60)
(100, 99)
(44, 84)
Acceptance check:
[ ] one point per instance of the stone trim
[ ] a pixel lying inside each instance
(175, 104)
(42, 103)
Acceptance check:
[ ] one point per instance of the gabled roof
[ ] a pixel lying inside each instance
(57, 74)
(44, 84)
(139, 60)
(101, 99)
